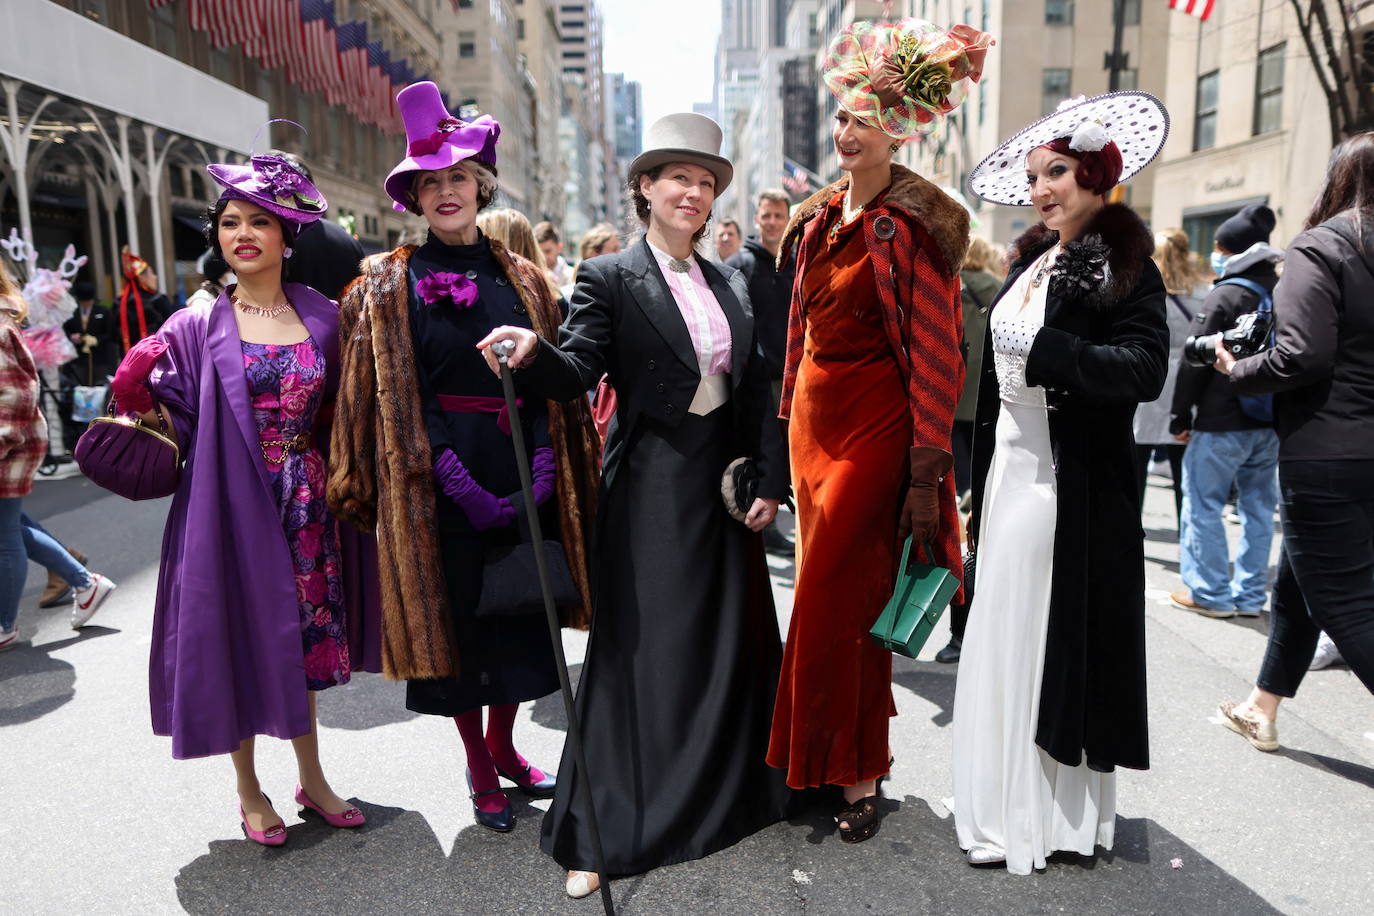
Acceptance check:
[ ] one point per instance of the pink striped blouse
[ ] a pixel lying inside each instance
(705, 319)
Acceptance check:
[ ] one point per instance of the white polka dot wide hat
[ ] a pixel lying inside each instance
(1137, 122)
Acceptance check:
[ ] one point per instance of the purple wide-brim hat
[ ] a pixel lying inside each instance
(275, 185)
(436, 139)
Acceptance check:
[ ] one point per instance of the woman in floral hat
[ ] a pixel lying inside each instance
(422, 451)
(1051, 691)
(872, 377)
(260, 602)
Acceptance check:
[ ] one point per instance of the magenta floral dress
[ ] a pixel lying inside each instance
(286, 383)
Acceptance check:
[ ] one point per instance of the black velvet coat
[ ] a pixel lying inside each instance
(1102, 351)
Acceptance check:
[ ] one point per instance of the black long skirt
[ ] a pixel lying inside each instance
(676, 695)
(501, 660)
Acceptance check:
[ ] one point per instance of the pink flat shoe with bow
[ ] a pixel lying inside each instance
(351, 816)
(272, 836)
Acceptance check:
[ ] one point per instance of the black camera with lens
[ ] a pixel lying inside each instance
(1249, 336)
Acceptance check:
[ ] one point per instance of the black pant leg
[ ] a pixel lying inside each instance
(1292, 635)
(962, 443)
(1142, 470)
(1176, 450)
(1328, 524)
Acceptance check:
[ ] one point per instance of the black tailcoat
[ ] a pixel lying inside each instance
(1102, 351)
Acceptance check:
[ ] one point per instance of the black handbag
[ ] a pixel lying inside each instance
(510, 578)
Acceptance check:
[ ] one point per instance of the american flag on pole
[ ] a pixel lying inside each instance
(321, 50)
(227, 22)
(797, 179)
(1199, 8)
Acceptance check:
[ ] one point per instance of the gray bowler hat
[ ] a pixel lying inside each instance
(685, 137)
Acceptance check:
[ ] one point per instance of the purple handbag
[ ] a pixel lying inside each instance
(130, 458)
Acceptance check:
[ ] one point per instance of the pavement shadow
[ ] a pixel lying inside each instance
(393, 864)
(929, 680)
(1162, 535)
(366, 701)
(1355, 772)
(548, 712)
(33, 683)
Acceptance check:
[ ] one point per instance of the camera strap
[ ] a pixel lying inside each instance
(1266, 298)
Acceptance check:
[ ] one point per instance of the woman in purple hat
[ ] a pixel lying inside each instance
(253, 612)
(423, 454)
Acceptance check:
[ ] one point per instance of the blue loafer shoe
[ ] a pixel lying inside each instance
(541, 789)
(502, 821)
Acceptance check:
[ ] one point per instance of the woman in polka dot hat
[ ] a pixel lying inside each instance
(1051, 691)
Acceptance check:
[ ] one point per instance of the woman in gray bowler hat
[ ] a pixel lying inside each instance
(677, 689)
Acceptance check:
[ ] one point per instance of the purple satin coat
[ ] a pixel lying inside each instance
(227, 661)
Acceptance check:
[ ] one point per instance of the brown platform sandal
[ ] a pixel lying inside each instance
(862, 817)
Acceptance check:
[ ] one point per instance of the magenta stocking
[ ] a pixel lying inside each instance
(501, 744)
(479, 761)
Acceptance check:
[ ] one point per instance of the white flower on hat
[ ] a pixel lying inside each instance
(1089, 137)
(1070, 103)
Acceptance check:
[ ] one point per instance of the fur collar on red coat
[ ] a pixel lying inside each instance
(942, 216)
(1100, 267)
(380, 465)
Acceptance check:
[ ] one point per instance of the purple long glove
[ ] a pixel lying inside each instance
(542, 474)
(483, 510)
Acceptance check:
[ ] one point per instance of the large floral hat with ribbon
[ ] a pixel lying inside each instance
(275, 185)
(436, 139)
(902, 77)
(1136, 122)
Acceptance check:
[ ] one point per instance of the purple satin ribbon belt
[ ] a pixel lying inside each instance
(455, 403)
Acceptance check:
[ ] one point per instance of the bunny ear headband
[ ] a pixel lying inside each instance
(24, 254)
(1136, 122)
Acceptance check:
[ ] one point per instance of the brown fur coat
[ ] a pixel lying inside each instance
(380, 469)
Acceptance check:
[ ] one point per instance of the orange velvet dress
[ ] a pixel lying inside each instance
(849, 437)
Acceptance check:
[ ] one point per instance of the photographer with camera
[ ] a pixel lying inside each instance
(1230, 441)
(1321, 373)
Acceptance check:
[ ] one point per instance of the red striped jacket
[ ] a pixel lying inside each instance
(23, 431)
(916, 237)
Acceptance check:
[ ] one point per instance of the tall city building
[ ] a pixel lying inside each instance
(539, 40)
(588, 153)
(1250, 122)
(627, 117)
(115, 155)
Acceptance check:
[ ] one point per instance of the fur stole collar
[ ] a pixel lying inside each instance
(1100, 267)
(941, 215)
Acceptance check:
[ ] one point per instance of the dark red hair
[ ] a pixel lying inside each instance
(1098, 171)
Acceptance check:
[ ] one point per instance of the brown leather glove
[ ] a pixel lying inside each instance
(920, 513)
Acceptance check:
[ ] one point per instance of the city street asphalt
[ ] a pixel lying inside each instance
(98, 817)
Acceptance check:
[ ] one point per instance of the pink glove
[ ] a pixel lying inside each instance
(542, 472)
(130, 385)
(483, 510)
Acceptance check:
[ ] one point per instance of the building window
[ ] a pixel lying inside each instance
(1054, 88)
(519, 30)
(1269, 89)
(164, 29)
(93, 9)
(1058, 12)
(222, 64)
(1129, 79)
(1205, 120)
(1130, 10)
(467, 44)
(465, 4)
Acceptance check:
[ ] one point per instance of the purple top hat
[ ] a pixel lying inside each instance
(275, 185)
(436, 139)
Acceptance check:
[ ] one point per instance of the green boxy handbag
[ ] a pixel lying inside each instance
(920, 597)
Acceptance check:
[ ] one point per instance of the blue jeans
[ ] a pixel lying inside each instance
(1211, 463)
(14, 563)
(46, 551)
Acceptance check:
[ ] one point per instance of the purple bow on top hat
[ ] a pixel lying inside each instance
(273, 184)
(436, 139)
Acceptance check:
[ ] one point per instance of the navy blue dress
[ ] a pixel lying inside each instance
(501, 659)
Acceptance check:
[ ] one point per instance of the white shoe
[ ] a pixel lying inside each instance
(86, 601)
(9, 638)
(582, 884)
(1327, 654)
(985, 855)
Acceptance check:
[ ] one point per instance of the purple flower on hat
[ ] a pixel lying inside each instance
(442, 285)
(278, 178)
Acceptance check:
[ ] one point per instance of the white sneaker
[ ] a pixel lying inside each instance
(9, 638)
(86, 601)
(1327, 654)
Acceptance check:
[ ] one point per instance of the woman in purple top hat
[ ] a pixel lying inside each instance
(422, 451)
(254, 613)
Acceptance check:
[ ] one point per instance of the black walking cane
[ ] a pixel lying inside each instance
(503, 349)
